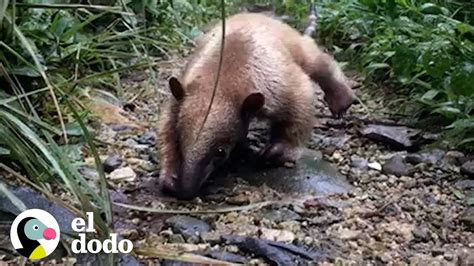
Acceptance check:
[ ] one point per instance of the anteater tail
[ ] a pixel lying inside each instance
(312, 19)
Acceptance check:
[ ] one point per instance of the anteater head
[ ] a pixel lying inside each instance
(226, 124)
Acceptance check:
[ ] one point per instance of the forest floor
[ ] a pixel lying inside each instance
(391, 207)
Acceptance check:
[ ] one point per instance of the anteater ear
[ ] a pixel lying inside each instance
(176, 88)
(253, 103)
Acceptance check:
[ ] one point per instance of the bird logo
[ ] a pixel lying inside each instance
(35, 234)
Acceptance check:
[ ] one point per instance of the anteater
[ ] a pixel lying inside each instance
(267, 71)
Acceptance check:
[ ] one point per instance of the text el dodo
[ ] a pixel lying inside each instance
(110, 245)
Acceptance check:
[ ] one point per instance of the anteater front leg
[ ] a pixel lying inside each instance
(324, 70)
(291, 127)
(170, 158)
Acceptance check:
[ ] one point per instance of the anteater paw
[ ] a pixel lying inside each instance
(168, 181)
(280, 153)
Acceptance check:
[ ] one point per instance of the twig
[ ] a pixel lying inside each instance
(208, 211)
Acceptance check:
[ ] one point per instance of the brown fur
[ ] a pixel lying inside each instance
(262, 56)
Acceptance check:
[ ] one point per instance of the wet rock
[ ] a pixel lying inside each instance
(429, 157)
(396, 137)
(359, 162)
(311, 174)
(396, 166)
(465, 184)
(112, 162)
(33, 200)
(125, 173)
(148, 138)
(468, 168)
(190, 227)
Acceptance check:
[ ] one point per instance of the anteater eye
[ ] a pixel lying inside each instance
(35, 227)
(220, 152)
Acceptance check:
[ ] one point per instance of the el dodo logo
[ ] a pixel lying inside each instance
(35, 234)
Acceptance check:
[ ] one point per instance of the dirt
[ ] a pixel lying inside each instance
(339, 207)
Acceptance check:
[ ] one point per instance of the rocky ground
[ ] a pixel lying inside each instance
(366, 191)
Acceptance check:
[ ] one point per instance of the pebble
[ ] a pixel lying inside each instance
(375, 166)
(455, 158)
(125, 173)
(112, 162)
(468, 168)
(277, 235)
(190, 227)
(396, 166)
(148, 138)
(359, 162)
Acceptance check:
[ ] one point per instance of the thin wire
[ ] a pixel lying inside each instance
(218, 69)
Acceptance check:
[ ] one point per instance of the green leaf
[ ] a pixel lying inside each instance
(448, 112)
(404, 61)
(74, 129)
(430, 95)
(458, 194)
(13, 199)
(4, 151)
(462, 80)
(465, 28)
(430, 8)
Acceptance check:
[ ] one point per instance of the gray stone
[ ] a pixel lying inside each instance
(112, 162)
(34, 200)
(190, 227)
(148, 138)
(468, 168)
(396, 166)
(359, 162)
(465, 184)
(396, 137)
(429, 157)
(130, 143)
(455, 158)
